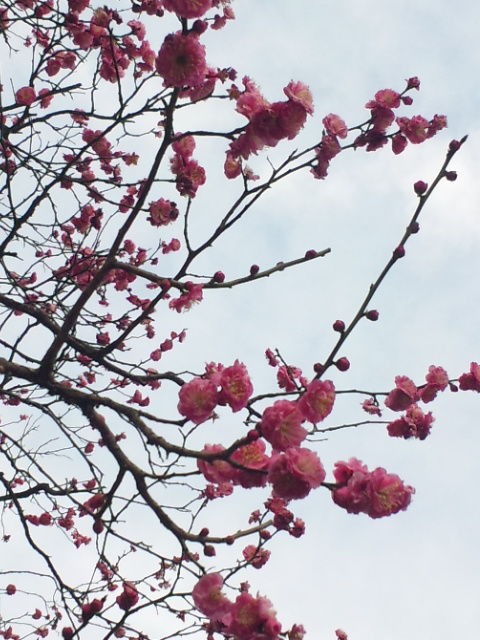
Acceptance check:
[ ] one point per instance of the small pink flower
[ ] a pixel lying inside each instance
(471, 381)
(255, 556)
(437, 380)
(387, 98)
(414, 424)
(197, 400)
(181, 61)
(317, 401)
(404, 394)
(294, 473)
(128, 598)
(254, 464)
(26, 96)
(253, 619)
(414, 129)
(208, 596)
(299, 92)
(281, 425)
(217, 471)
(335, 126)
(236, 386)
(369, 406)
(188, 8)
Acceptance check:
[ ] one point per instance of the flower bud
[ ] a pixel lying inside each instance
(451, 175)
(399, 252)
(218, 277)
(339, 325)
(420, 187)
(254, 269)
(372, 315)
(342, 364)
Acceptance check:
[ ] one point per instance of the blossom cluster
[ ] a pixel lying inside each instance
(247, 618)
(376, 493)
(268, 123)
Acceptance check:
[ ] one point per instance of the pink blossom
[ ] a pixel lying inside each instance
(217, 471)
(197, 400)
(281, 425)
(414, 129)
(129, 596)
(252, 619)
(376, 493)
(399, 143)
(335, 126)
(404, 394)
(254, 464)
(255, 556)
(193, 292)
(286, 377)
(317, 401)
(250, 101)
(387, 98)
(162, 212)
(208, 596)
(188, 8)
(370, 406)
(299, 93)
(414, 424)
(471, 381)
(181, 61)
(26, 96)
(437, 380)
(294, 473)
(236, 387)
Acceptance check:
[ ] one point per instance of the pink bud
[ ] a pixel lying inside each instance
(339, 325)
(372, 315)
(342, 364)
(451, 175)
(254, 269)
(420, 187)
(311, 253)
(209, 550)
(399, 252)
(218, 277)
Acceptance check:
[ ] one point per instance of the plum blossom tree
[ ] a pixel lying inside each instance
(111, 456)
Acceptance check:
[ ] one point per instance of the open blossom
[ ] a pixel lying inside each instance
(335, 126)
(414, 424)
(301, 94)
(188, 8)
(294, 473)
(254, 464)
(387, 98)
(216, 471)
(370, 406)
(317, 401)
(208, 596)
(471, 381)
(197, 400)
(414, 129)
(236, 387)
(181, 61)
(404, 394)
(129, 596)
(376, 493)
(281, 425)
(437, 380)
(255, 556)
(252, 618)
(25, 96)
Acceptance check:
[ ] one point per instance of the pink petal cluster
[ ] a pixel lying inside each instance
(286, 377)
(236, 386)
(255, 556)
(376, 493)
(281, 425)
(181, 61)
(193, 293)
(317, 401)
(471, 381)
(129, 596)
(221, 385)
(26, 96)
(248, 618)
(188, 8)
(404, 394)
(414, 424)
(294, 473)
(249, 468)
(189, 174)
(437, 380)
(197, 400)
(370, 406)
(268, 122)
(162, 212)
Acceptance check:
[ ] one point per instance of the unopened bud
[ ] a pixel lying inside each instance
(372, 315)
(339, 325)
(451, 175)
(420, 187)
(342, 364)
